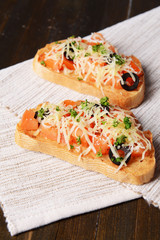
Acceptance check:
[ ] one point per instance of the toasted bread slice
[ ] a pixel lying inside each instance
(117, 96)
(137, 171)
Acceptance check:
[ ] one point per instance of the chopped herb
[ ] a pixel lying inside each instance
(119, 59)
(104, 101)
(84, 104)
(96, 47)
(57, 108)
(73, 113)
(78, 119)
(57, 42)
(118, 159)
(120, 140)
(102, 49)
(99, 153)
(87, 54)
(73, 36)
(78, 139)
(103, 122)
(115, 122)
(43, 63)
(127, 122)
(71, 146)
(41, 113)
(79, 47)
(74, 42)
(79, 78)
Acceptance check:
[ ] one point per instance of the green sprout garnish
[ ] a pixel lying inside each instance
(104, 101)
(79, 78)
(87, 54)
(78, 139)
(78, 119)
(73, 113)
(99, 153)
(43, 63)
(118, 159)
(127, 122)
(57, 108)
(120, 140)
(115, 123)
(96, 47)
(119, 59)
(84, 104)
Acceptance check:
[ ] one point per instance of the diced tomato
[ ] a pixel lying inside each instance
(121, 153)
(72, 103)
(69, 102)
(129, 81)
(28, 122)
(117, 83)
(50, 63)
(54, 65)
(134, 66)
(101, 144)
(67, 115)
(41, 57)
(91, 78)
(79, 133)
(92, 125)
(69, 64)
(98, 37)
(50, 133)
(112, 48)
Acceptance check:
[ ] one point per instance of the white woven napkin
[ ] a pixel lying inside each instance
(36, 189)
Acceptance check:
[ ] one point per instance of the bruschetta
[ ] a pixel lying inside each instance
(94, 135)
(92, 67)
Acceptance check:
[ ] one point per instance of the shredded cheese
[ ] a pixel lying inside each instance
(93, 125)
(93, 61)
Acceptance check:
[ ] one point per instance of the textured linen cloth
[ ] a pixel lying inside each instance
(36, 189)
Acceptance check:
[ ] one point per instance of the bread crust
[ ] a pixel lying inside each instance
(120, 97)
(136, 172)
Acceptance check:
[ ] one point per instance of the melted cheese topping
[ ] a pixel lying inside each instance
(93, 60)
(94, 122)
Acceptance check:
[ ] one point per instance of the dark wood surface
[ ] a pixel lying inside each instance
(25, 26)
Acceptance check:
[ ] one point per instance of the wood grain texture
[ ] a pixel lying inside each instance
(26, 26)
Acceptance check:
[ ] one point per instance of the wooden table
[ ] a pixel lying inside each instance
(26, 25)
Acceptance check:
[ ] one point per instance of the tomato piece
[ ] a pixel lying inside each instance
(112, 48)
(28, 121)
(129, 81)
(101, 144)
(69, 102)
(69, 64)
(134, 66)
(98, 37)
(49, 133)
(117, 84)
(72, 103)
(137, 153)
(54, 65)
(79, 133)
(41, 57)
(92, 125)
(91, 78)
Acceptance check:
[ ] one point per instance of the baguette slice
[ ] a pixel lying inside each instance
(117, 96)
(136, 172)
